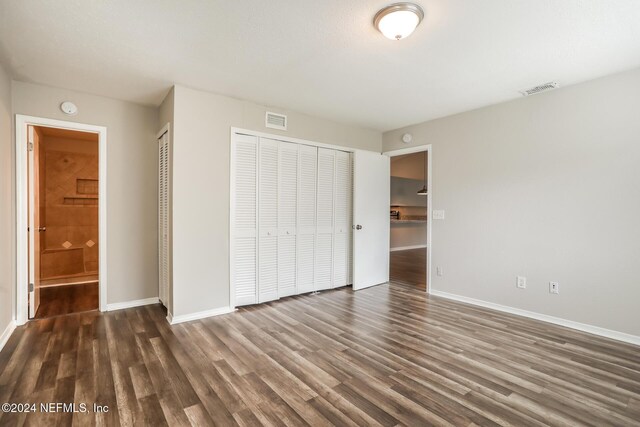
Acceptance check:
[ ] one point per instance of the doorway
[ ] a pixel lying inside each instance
(63, 214)
(60, 169)
(409, 217)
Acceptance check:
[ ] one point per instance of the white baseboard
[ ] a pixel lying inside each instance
(134, 303)
(7, 333)
(406, 248)
(199, 315)
(595, 330)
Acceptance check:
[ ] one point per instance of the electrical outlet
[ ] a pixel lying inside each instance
(439, 271)
(521, 282)
(554, 287)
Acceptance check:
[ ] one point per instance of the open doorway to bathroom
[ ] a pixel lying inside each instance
(409, 220)
(63, 202)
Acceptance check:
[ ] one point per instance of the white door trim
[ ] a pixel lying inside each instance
(418, 149)
(284, 138)
(22, 262)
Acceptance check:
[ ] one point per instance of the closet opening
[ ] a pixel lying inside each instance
(409, 218)
(63, 202)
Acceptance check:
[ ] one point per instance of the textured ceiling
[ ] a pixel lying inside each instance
(322, 58)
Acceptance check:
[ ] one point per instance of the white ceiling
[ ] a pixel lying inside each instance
(322, 57)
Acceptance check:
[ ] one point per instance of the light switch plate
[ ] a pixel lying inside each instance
(438, 214)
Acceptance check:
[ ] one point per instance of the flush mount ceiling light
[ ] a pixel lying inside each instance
(398, 20)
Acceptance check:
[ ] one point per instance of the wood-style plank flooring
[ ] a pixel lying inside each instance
(387, 355)
(58, 300)
(409, 267)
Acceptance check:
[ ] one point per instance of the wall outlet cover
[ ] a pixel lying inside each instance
(439, 271)
(521, 282)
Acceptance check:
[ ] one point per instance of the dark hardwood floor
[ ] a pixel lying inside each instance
(57, 300)
(387, 355)
(409, 267)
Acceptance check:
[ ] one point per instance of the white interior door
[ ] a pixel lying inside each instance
(371, 200)
(163, 218)
(325, 219)
(342, 213)
(306, 224)
(268, 220)
(287, 218)
(245, 217)
(35, 228)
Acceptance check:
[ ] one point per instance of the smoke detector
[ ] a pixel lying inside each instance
(540, 88)
(69, 108)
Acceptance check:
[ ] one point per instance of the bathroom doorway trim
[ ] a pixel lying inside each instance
(22, 247)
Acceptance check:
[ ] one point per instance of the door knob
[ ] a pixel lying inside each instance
(358, 227)
(42, 228)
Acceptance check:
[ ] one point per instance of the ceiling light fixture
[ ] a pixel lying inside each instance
(398, 20)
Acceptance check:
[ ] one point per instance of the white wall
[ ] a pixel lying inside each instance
(7, 210)
(201, 156)
(132, 181)
(547, 187)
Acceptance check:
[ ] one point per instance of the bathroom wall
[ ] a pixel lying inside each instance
(70, 246)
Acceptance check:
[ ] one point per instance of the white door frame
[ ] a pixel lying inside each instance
(420, 149)
(22, 260)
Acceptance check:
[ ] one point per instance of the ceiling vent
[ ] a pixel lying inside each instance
(276, 121)
(540, 88)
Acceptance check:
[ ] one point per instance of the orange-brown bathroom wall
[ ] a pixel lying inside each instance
(70, 208)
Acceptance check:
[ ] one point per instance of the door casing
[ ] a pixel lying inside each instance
(22, 236)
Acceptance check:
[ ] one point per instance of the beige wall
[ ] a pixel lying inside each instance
(411, 166)
(7, 211)
(404, 198)
(202, 128)
(132, 264)
(547, 187)
(408, 234)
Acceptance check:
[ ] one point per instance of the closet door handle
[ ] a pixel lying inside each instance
(358, 227)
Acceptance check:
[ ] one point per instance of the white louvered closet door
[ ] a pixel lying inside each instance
(163, 218)
(287, 218)
(268, 220)
(306, 231)
(245, 191)
(325, 219)
(342, 213)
